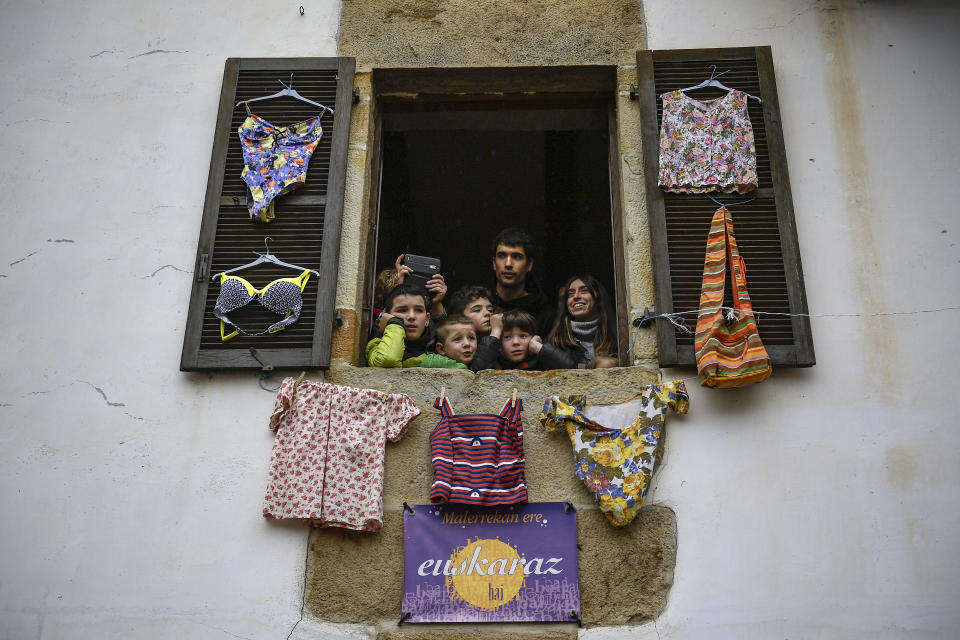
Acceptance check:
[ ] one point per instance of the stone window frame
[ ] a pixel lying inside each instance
(453, 83)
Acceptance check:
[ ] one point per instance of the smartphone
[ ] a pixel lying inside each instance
(423, 267)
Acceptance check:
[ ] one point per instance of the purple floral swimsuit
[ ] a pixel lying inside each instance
(275, 160)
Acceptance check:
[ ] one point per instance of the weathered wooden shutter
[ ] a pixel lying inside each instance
(766, 232)
(306, 230)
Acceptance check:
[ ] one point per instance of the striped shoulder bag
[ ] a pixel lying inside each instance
(729, 353)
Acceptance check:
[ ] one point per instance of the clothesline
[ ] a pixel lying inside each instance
(678, 322)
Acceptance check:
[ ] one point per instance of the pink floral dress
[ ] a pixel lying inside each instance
(707, 145)
(327, 461)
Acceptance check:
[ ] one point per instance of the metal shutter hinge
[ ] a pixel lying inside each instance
(203, 269)
(264, 365)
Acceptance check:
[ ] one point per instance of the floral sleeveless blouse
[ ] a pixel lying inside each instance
(707, 145)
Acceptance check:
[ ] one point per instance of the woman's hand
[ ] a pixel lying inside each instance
(402, 269)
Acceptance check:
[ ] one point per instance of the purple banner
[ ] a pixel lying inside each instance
(490, 564)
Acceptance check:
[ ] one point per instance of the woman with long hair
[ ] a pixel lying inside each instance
(585, 326)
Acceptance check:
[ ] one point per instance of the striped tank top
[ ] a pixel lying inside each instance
(478, 458)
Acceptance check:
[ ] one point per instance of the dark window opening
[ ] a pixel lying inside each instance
(454, 173)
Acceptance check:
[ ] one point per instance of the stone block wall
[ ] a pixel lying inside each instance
(625, 573)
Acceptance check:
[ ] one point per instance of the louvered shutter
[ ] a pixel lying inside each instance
(305, 232)
(765, 228)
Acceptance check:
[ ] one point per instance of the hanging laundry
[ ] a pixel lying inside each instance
(615, 446)
(728, 347)
(275, 160)
(328, 454)
(707, 145)
(478, 458)
(283, 296)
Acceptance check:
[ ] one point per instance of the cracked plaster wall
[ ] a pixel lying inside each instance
(130, 491)
(821, 503)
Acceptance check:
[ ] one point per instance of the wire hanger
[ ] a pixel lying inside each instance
(713, 82)
(266, 257)
(287, 91)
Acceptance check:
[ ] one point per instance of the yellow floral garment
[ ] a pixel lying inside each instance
(616, 464)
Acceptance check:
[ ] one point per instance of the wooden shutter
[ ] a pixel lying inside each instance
(306, 230)
(766, 232)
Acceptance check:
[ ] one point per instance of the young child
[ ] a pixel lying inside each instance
(475, 303)
(404, 323)
(456, 344)
(515, 344)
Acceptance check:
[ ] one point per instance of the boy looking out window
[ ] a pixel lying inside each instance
(514, 344)
(476, 304)
(405, 340)
(457, 341)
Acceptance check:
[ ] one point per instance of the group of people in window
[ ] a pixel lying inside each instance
(512, 326)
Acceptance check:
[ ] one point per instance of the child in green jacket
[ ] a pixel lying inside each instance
(402, 325)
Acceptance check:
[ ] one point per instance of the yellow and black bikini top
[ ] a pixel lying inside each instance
(283, 296)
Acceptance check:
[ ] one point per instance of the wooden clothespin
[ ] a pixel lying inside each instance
(299, 379)
(443, 393)
(389, 387)
(514, 394)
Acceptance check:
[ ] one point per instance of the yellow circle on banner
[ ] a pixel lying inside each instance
(488, 574)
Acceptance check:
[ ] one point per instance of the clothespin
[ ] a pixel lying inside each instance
(443, 393)
(299, 379)
(386, 391)
(514, 394)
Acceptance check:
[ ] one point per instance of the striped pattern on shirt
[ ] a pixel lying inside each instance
(728, 354)
(478, 458)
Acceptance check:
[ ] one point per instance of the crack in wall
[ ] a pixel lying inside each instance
(58, 240)
(101, 392)
(30, 121)
(103, 52)
(153, 51)
(788, 22)
(229, 633)
(166, 266)
(24, 258)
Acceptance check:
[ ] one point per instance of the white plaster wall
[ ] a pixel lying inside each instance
(818, 504)
(130, 492)
(823, 503)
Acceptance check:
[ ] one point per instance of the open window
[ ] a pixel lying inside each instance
(465, 153)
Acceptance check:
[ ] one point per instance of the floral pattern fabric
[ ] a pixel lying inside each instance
(328, 454)
(707, 145)
(617, 464)
(275, 160)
